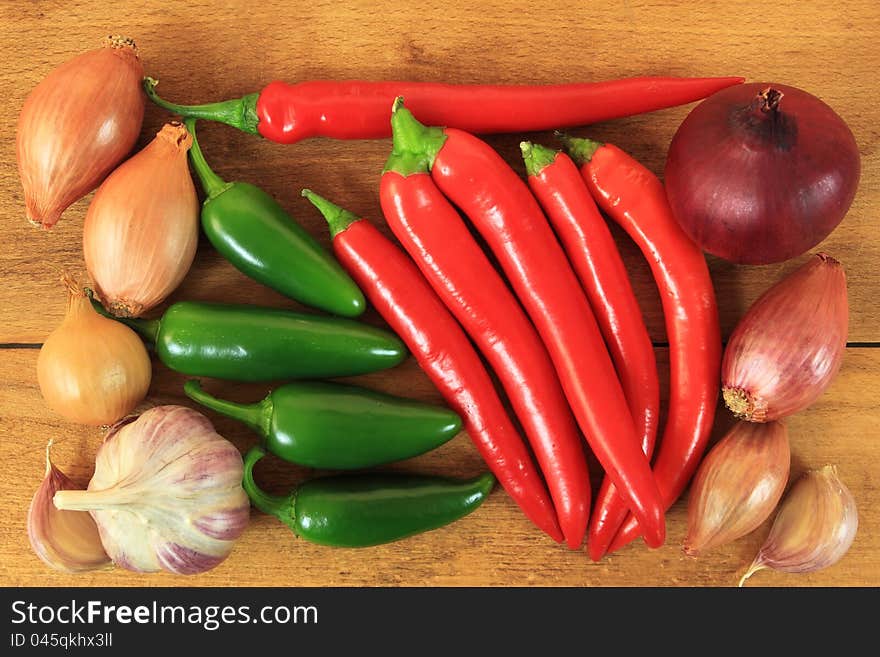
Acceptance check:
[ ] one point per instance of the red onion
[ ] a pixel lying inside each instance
(77, 125)
(788, 347)
(760, 173)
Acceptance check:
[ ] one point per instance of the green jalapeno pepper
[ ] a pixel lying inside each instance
(250, 343)
(253, 232)
(368, 509)
(336, 426)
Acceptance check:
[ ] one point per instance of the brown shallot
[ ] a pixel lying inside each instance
(141, 229)
(77, 125)
(738, 485)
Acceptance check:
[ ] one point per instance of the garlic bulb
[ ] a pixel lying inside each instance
(64, 540)
(816, 525)
(166, 493)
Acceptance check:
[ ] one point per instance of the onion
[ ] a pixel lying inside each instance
(788, 347)
(77, 125)
(142, 227)
(738, 485)
(760, 173)
(91, 369)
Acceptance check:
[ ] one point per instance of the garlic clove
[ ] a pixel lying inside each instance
(166, 493)
(738, 485)
(65, 540)
(816, 525)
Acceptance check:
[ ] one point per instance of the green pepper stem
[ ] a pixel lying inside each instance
(337, 218)
(536, 157)
(415, 145)
(580, 149)
(240, 113)
(211, 182)
(148, 329)
(256, 416)
(282, 507)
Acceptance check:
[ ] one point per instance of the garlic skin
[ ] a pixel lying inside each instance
(788, 347)
(64, 540)
(166, 494)
(77, 125)
(737, 486)
(142, 227)
(816, 525)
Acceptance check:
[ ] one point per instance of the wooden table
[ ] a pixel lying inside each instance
(204, 52)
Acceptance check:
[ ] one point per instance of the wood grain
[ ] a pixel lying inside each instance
(210, 50)
(494, 546)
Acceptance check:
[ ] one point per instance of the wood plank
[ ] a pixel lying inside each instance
(494, 546)
(201, 54)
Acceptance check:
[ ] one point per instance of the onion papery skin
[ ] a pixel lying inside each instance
(92, 370)
(142, 227)
(76, 126)
(737, 486)
(789, 346)
(757, 187)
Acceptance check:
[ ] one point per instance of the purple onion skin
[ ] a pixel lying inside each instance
(755, 185)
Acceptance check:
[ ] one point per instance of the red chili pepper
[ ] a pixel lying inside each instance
(433, 233)
(634, 197)
(356, 109)
(398, 291)
(558, 186)
(476, 179)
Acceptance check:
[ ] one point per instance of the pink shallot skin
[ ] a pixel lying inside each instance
(788, 347)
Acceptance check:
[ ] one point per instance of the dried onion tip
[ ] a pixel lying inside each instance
(816, 525)
(738, 485)
(65, 540)
(166, 493)
(788, 347)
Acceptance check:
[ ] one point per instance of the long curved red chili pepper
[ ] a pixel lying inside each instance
(558, 186)
(476, 179)
(403, 297)
(634, 197)
(357, 109)
(441, 245)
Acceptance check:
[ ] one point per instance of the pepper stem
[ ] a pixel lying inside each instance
(337, 218)
(148, 329)
(536, 157)
(415, 145)
(240, 113)
(211, 182)
(282, 507)
(256, 416)
(580, 149)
